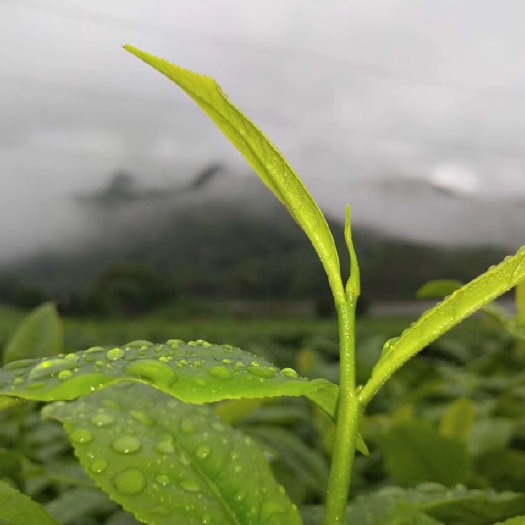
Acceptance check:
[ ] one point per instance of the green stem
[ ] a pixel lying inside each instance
(349, 412)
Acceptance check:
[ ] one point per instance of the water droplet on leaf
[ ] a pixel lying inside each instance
(220, 372)
(102, 419)
(189, 485)
(162, 480)
(115, 354)
(165, 447)
(203, 451)
(126, 444)
(99, 466)
(262, 372)
(130, 482)
(81, 436)
(152, 371)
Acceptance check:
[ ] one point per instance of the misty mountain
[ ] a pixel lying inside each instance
(416, 209)
(225, 235)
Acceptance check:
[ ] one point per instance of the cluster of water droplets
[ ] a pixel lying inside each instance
(179, 463)
(195, 371)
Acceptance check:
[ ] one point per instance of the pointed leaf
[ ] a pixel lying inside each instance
(263, 157)
(18, 509)
(444, 316)
(40, 334)
(197, 372)
(168, 462)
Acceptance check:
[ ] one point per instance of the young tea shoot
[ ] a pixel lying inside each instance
(139, 416)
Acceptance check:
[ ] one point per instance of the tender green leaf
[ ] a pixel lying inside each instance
(447, 314)
(40, 334)
(458, 419)
(263, 157)
(168, 462)
(414, 453)
(438, 288)
(18, 509)
(195, 372)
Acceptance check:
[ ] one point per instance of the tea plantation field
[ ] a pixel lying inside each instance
(446, 436)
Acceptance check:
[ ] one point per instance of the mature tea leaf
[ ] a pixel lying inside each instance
(263, 157)
(40, 334)
(447, 314)
(18, 509)
(195, 372)
(168, 462)
(414, 453)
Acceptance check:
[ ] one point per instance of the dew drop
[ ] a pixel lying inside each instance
(227, 361)
(203, 451)
(239, 496)
(126, 444)
(165, 447)
(115, 354)
(174, 343)
(162, 480)
(259, 371)
(102, 419)
(99, 466)
(289, 372)
(201, 382)
(220, 372)
(152, 371)
(189, 485)
(63, 375)
(19, 381)
(95, 350)
(49, 367)
(139, 343)
(81, 436)
(206, 519)
(129, 482)
(72, 357)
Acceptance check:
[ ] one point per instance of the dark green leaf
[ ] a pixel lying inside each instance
(414, 453)
(168, 462)
(18, 509)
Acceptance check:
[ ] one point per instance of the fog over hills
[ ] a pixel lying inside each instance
(224, 233)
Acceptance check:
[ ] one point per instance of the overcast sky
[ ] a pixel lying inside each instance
(350, 91)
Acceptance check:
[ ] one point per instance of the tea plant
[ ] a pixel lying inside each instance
(140, 419)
